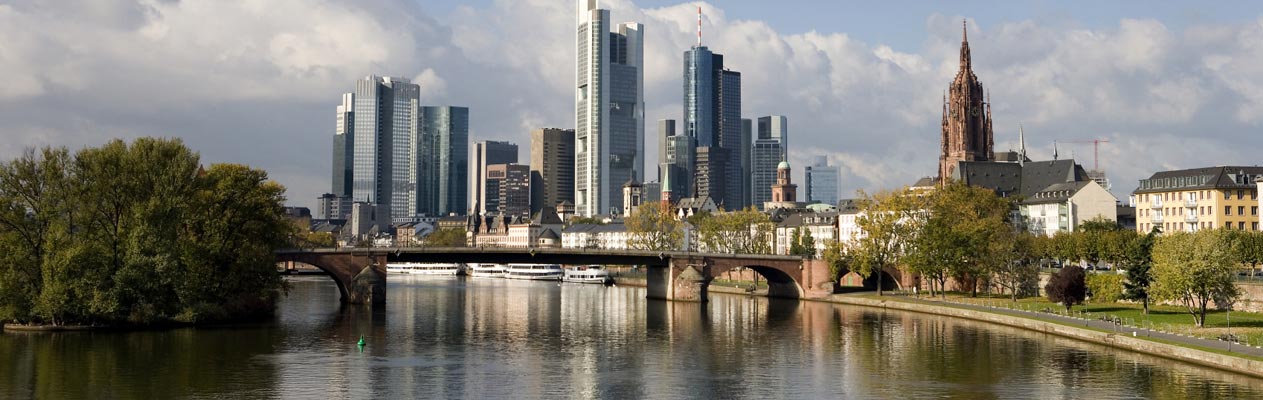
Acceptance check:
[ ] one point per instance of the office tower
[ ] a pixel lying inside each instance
(443, 166)
(822, 182)
(486, 153)
(343, 147)
(508, 190)
(712, 116)
(769, 150)
(609, 109)
(384, 121)
(332, 206)
(552, 168)
(745, 154)
(676, 153)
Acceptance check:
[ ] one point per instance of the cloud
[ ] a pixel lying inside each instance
(242, 82)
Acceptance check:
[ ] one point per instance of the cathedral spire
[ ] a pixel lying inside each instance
(965, 62)
(1054, 150)
(1021, 145)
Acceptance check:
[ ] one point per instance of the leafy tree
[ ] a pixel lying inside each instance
(653, 226)
(838, 260)
(1138, 261)
(958, 232)
(890, 221)
(1105, 287)
(1194, 269)
(1067, 286)
(1011, 265)
(448, 237)
(747, 231)
(801, 243)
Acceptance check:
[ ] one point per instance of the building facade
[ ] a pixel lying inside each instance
(769, 150)
(443, 173)
(333, 206)
(1190, 200)
(712, 117)
(383, 119)
(1063, 207)
(609, 109)
(966, 125)
(489, 152)
(552, 168)
(508, 190)
(822, 181)
(344, 148)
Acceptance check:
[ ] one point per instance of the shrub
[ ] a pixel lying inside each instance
(1067, 286)
(1105, 287)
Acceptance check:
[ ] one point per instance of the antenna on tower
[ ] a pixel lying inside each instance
(699, 26)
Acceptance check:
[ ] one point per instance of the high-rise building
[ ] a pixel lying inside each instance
(333, 206)
(489, 152)
(966, 127)
(822, 182)
(343, 147)
(384, 121)
(609, 109)
(443, 168)
(712, 117)
(508, 190)
(676, 153)
(769, 150)
(746, 154)
(552, 168)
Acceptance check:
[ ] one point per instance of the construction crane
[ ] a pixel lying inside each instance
(1096, 147)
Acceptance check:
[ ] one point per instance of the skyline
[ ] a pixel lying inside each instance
(266, 97)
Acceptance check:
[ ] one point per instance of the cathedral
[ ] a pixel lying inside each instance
(967, 134)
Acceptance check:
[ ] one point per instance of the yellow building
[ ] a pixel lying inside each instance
(1202, 198)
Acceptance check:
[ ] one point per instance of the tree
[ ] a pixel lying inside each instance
(956, 238)
(1138, 261)
(447, 237)
(1011, 265)
(747, 231)
(801, 243)
(1194, 269)
(836, 257)
(1067, 286)
(653, 226)
(889, 220)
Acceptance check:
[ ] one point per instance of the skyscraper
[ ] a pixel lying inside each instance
(676, 154)
(552, 167)
(822, 182)
(508, 189)
(343, 147)
(443, 168)
(609, 109)
(769, 150)
(384, 120)
(712, 117)
(746, 155)
(489, 152)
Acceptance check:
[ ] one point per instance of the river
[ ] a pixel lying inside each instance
(448, 337)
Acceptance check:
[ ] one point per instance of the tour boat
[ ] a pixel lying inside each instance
(539, 272)
(587, 274)
(487, 270)
(425, 268)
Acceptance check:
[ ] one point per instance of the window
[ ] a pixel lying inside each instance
(1254, 226)
(1254, 195)
(1240, 194)
(1227, 195)
(1240, 210)
(1227, 210)
(1241, 225)
(1254, 210)
(1227, 225)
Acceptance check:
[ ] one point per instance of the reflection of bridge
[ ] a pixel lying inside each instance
(361, 273)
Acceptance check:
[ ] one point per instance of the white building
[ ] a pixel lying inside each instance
(612, 236)
(1063, 206)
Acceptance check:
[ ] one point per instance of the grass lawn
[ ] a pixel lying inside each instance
(1245, 325)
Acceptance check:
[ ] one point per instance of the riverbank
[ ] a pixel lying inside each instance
(1146, 341)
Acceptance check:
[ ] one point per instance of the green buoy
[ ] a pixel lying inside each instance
(361, 343)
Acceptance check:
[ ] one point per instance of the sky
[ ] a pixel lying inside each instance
(1169, 84)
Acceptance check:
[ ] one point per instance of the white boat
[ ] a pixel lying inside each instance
(488, 270)
(539, 272)
(587, 274)
(425, 268)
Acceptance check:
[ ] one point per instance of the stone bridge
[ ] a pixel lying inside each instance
(680, 276)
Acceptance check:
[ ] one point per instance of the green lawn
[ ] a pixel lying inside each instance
(1246, 325)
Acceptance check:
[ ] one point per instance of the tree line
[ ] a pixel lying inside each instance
(973, 237)
(137, 234)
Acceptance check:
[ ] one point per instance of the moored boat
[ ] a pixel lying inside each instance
(488, 270)
(425, 268)
(541, 272)
(587, 274)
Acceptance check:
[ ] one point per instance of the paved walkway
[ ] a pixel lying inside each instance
(1106, 326)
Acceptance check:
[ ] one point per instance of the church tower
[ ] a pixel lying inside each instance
(967, 134)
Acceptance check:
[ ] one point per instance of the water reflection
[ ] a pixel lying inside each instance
(473, 338)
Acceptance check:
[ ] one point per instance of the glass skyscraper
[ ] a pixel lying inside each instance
(384, 120)
(489, 152)
(769, 150)
(712, 117)
(443, 184)
(822, 182)
(609, 109)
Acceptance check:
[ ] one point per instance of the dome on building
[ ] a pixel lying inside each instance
(783, 165)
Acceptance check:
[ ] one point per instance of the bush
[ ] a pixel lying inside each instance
(1067, 287)
(1105, 287)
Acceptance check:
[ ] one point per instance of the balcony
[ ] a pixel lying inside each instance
(1156, 204)
(1157, 218)
(1190, 218)
(1190, 203)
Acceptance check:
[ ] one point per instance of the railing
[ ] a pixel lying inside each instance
(1190, 218)
(1190, 203)
(1156, 204)
(1157, 218)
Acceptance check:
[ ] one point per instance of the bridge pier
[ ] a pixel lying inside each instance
(361, 278)
(683, 279)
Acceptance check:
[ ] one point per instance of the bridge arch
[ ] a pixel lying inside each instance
(890, 278)
(361, 278)
(783, 277)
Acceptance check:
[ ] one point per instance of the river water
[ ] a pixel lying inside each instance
(448, 337)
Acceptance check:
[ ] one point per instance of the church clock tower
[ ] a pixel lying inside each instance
(967, 134)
